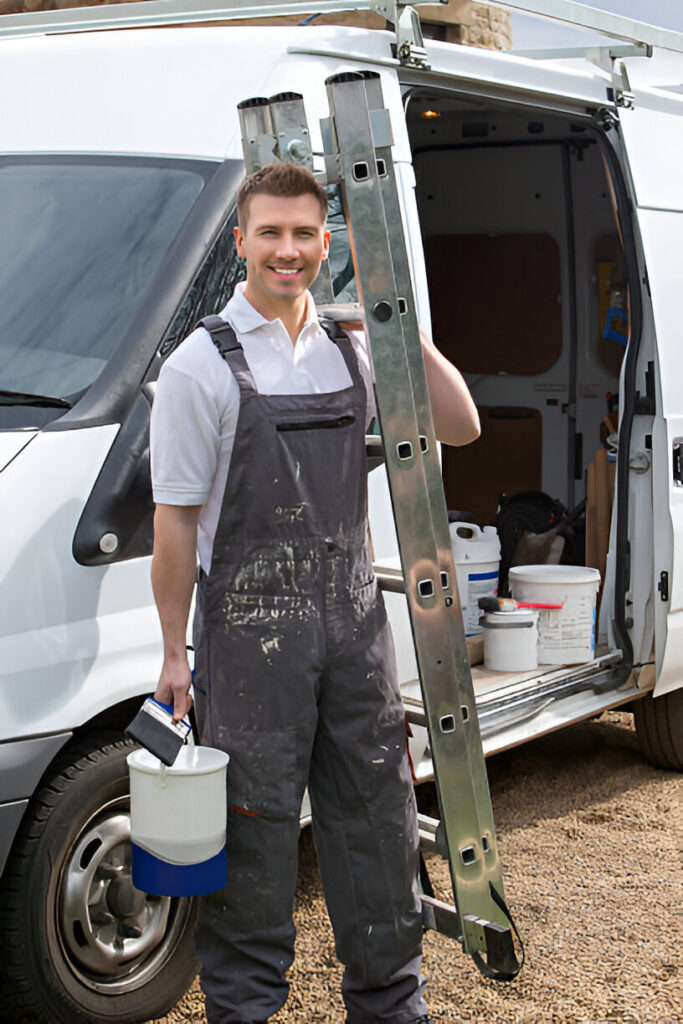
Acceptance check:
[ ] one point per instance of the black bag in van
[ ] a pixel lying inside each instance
(535, 529)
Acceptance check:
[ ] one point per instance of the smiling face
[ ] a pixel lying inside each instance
(284, 241)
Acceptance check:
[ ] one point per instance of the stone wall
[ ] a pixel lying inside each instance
(459, 21)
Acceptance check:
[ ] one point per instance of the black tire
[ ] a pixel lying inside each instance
(659, 725)
(78, 944)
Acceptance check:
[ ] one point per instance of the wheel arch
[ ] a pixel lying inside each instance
(25, 764)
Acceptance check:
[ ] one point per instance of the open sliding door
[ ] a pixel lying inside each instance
(652, 132)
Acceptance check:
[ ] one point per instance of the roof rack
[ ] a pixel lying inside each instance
(401, 14)
(580, 15)
(410, 49)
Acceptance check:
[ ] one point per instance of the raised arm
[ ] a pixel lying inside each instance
(174, 571)
(456, 420)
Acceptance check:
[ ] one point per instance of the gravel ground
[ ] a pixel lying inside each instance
(589, 844)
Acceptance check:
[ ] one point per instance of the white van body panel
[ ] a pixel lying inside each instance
(178, 93)
(651, 129)
(73, 638)
(11, 443)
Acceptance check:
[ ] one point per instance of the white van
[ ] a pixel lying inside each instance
(523, 179)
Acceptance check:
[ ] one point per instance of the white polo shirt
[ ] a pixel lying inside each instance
(194, 416)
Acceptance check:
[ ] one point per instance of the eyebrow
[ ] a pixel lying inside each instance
(278, 227)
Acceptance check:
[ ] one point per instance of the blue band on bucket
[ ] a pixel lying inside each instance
(159, 878)
(483, 575)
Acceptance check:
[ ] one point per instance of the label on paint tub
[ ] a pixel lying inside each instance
(479, 584)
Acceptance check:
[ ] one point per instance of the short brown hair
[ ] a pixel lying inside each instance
(281, 179)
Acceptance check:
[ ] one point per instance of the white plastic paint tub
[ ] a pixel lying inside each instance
(178, 821)
(510, 640)
(566, 636)
(476, 554)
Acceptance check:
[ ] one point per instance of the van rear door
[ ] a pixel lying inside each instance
(652, 131)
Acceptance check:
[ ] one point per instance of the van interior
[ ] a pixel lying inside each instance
(525, 270)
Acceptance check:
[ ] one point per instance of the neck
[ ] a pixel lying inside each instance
(292, 313)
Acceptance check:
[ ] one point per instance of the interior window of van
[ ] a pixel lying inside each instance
(341, 264)
(80, 241)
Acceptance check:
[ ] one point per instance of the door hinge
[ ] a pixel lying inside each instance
(645, 405)
(606, 117)
(678, 463)
(663, 586)
(409, 46)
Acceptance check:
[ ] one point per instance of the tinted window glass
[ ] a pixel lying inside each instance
(341, 263)
(79, 244)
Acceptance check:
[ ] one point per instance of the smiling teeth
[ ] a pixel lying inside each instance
(281, 270)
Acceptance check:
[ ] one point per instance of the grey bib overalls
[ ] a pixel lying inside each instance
(296, 679)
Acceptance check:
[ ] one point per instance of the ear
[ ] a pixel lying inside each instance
(326, 245)
(239, 241)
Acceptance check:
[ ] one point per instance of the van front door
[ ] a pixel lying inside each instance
(652, 134)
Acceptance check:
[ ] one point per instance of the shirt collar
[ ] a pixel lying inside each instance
(244, 318)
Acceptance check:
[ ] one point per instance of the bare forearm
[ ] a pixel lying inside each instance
(174, 570)
(456, 420)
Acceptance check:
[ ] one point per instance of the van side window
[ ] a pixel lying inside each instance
(341, 264)
(212, 288)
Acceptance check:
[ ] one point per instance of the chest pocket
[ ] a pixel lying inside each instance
(333, 423)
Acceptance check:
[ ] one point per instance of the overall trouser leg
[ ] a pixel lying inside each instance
(266, 722)
(365, 828)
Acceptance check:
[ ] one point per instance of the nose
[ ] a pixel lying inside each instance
(288, 248)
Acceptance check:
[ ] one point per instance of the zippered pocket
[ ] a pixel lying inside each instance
(333, 424)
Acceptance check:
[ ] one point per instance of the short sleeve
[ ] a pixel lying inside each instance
(190, 417)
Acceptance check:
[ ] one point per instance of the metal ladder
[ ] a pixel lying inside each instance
(358, 158)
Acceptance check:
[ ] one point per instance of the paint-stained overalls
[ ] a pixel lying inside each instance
(296, 680)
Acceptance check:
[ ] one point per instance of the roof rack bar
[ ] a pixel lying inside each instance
(185, 12)
(151, 13)
(580, 15)
(586, 52)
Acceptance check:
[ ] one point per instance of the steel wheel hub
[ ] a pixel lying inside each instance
(105, 923)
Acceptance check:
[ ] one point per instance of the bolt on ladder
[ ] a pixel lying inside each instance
(358, 158)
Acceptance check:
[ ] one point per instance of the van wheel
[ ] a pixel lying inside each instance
(659, 725)
(78, 943)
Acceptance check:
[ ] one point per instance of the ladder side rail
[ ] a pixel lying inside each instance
(355, 160)
(437, 503)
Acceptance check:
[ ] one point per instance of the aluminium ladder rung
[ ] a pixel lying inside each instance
(415, 712)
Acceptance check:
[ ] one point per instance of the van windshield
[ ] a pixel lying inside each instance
(80, 241)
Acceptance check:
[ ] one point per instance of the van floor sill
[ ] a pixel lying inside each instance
(492, 687)
(506, 697)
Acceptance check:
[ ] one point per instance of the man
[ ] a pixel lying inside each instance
(259, 462)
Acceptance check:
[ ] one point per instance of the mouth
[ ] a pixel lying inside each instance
(286, 271)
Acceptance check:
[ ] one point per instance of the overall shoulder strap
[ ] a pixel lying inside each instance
(336, 333)
(222, 334)
(225, 340)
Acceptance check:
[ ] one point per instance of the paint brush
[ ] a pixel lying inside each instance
(508, 604)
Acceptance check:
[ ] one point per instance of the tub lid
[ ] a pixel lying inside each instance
(191, 760)
(521, 618)
(563, 574)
